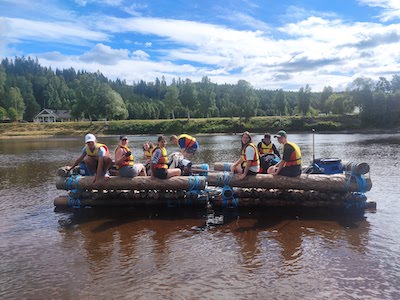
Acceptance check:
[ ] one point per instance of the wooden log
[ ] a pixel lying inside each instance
(64, 201)
(136, 183)
(356, 168)
(222, 166)
(319, 182)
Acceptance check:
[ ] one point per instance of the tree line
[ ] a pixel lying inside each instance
(26, 88)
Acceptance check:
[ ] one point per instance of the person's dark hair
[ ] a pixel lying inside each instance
(160, 138)
(267, 135)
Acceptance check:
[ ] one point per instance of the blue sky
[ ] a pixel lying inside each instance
(271, 44)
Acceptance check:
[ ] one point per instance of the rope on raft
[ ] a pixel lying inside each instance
(223, 180)
(362, 185)
(74, 199)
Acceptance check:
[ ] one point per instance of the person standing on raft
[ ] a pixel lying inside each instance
(96, 157)
(124, 160)
(186, 143)
(290, 164)
(159, 161)
(249, 161)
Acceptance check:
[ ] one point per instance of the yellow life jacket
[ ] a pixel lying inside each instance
(163, 161)
(148, 153)
(295, 157)
(255, 160)
(95, 152)
(265, 149)
(129, 161)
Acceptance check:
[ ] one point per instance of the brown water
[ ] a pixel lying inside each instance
(191, 254)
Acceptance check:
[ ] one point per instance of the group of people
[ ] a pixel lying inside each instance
(97, 161)
(263, 158)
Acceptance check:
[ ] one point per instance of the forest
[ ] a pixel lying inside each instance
(26, 88)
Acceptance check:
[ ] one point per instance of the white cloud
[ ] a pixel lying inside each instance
(390, 8)
(55, 32)
(105, 55)
(140, 54)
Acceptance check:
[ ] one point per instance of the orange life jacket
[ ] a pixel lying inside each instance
(129, 161)
(295, 157)
(163, 161)
(189, 140)
(255, 160)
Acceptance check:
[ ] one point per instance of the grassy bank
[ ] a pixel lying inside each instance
(212, 125)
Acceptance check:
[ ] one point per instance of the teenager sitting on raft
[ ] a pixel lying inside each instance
(96, 157)
(124, 160)
(159, 161)
(249, 161)
(290, 165)
(148, 148)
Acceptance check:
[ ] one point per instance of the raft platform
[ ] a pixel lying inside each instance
(220, 188)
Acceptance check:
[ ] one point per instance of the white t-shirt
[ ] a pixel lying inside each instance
(249, 155)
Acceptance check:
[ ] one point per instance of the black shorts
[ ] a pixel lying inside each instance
(249, 172)
(292, 171)
(160, 173)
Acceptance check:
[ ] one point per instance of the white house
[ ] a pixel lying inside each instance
(49, 115)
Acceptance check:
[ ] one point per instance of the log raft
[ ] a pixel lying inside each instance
(215, 188)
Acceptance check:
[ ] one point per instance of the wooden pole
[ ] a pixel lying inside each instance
(328, 183)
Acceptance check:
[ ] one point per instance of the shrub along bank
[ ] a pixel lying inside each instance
(177, 126)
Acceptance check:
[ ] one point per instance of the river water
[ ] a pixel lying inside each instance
(171, 253)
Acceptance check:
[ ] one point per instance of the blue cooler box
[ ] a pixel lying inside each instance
(330, 165)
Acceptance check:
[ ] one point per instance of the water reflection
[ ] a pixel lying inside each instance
(127, 235)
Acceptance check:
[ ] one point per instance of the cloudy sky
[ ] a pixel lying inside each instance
(271, 44)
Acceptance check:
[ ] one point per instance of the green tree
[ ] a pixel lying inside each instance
(326, 93)
(339, 103)
(383, 85)
(14, 100)
(188, 97)
(207, 98)
(395, 83)
(12, 114)
(113, 107)
(3, 79)
(304, 99)
(3, 113)
(245, 99)
(171, 99)
(280, 103)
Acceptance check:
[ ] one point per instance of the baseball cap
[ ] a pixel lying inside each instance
(123, 137)
(280, 133)
(90, 138)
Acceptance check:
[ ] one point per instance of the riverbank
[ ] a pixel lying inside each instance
(194, 126)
